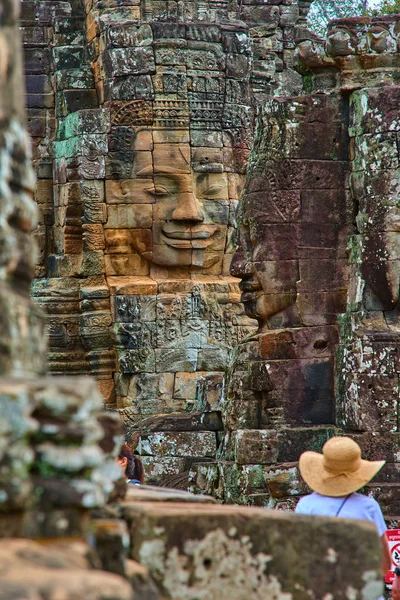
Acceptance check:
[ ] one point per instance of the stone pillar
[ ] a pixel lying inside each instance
(367, 362)
(320, 270)
(23, 337)
(53, 466)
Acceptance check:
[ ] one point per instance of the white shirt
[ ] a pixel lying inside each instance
(357, 506)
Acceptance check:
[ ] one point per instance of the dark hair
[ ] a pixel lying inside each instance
(134, 467)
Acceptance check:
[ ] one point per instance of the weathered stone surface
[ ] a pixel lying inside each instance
(178, 444)
(36, 571)
(148, 493)
(231, 551)
(64, 454)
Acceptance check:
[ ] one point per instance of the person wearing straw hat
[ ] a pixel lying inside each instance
(335, 476)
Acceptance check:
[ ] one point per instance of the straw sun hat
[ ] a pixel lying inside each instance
(339, 470)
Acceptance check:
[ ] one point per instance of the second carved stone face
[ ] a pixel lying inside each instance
(268, 286)
(295, 219)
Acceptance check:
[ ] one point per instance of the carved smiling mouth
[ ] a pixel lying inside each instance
(187, 235)
(193, 238)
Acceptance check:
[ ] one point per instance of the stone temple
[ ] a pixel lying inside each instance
(200, 253)
(211, 325)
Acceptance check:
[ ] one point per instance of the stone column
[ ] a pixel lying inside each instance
(23, 342)
(53, 468)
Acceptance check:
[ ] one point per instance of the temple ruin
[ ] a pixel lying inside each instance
(142, 118)
(211, 246)
(228, 347)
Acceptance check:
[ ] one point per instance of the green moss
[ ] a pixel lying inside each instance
(308, 83)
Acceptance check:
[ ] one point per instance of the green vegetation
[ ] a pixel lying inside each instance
(387, 7)
(322, 11)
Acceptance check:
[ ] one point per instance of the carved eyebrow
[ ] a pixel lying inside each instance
(208, 167)
(156, 170)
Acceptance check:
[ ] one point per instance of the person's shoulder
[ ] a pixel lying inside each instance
(304, 502)
(366, 501)
(362, 498)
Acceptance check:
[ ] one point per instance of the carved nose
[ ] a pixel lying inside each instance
(241, 265)
(188, 209)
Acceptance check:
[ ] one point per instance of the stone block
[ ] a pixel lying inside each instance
(120, 62)
(212, 358)
(256, 447)
(174, 360)
(284, 480)
(176, 154)
(179, 443)
(37, 60)
(143, 586)
(193, 421)
(321, 308)
(137, 361)
(151, 394)
(278, 446)
(133, 336)
(135, 286)
(129, 216)
(204, 478)
(128, 34)
(157, 469)
(122, 265)
(125, 191)
(229, 544)
(58, 565)
(369, 403)
(185, 386)
(134, 308)
(172, 333)
(332, 207)
(93, 236)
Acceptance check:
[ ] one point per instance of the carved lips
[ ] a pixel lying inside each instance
(199, 237)
(251, 290)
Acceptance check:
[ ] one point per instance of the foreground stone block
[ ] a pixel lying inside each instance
(57, 570)
(63, 466)
(213, 551)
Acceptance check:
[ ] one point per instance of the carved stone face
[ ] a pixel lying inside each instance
(189, 221)
(179, 209)
(341, 41)
(380, 39)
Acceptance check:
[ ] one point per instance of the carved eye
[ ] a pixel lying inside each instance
(157, 190)
(213, 190)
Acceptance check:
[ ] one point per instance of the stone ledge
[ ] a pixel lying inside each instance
(149, 493)
(193, 549)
